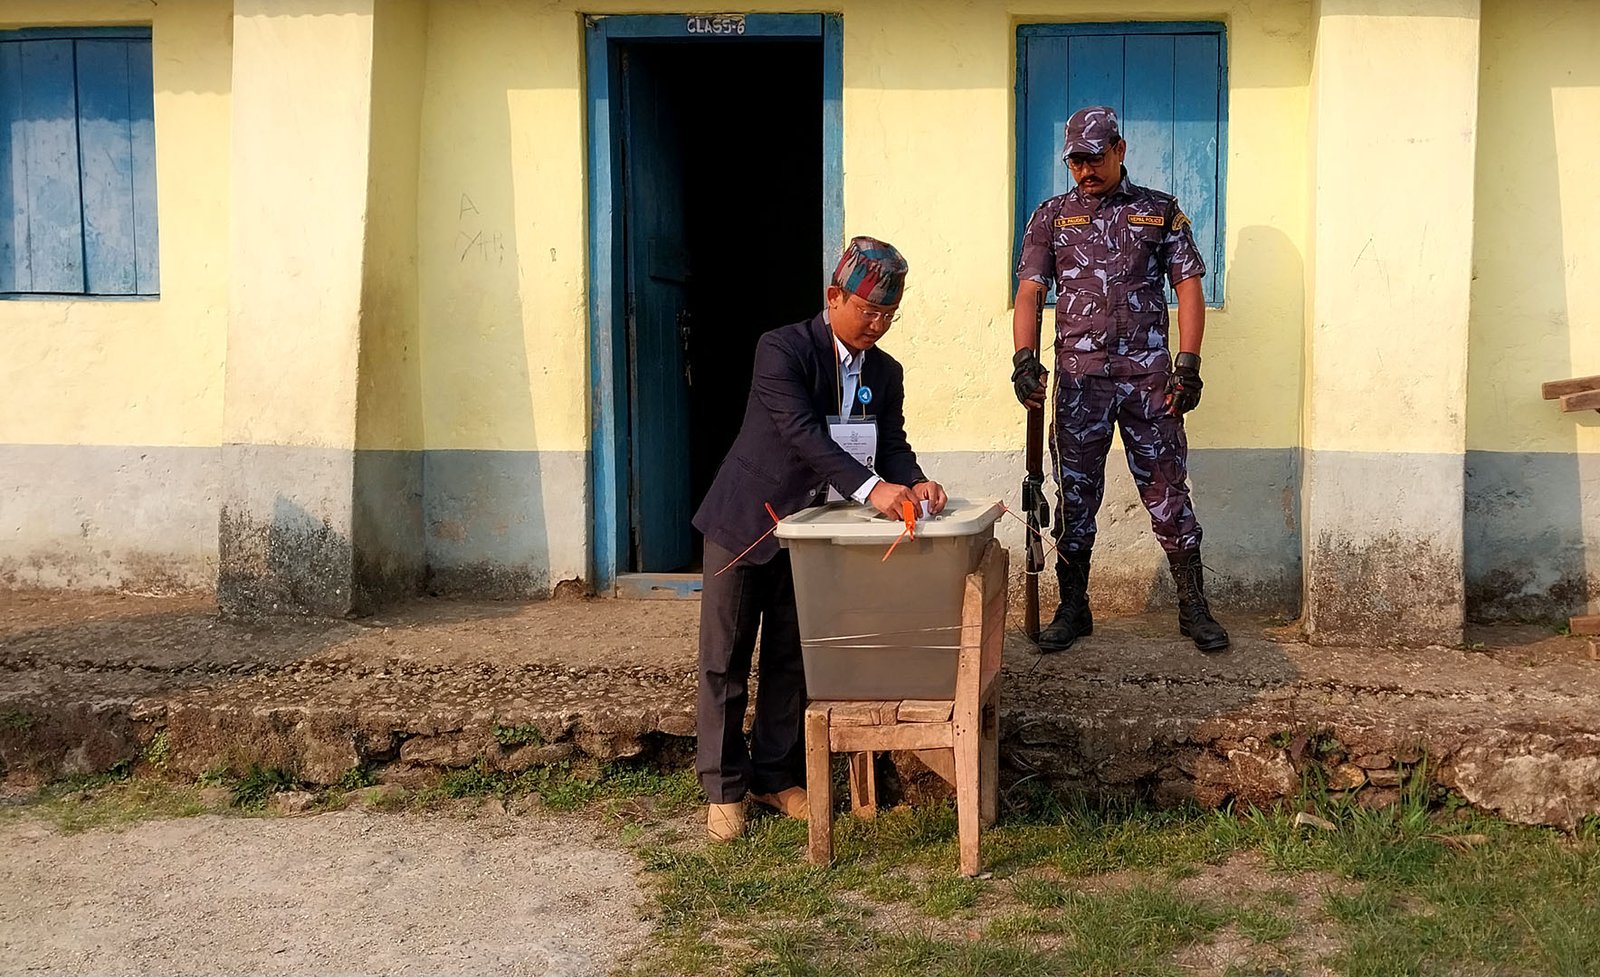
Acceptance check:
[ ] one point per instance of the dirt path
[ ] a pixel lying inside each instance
(335, 894)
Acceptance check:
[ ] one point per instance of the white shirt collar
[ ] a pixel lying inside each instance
(848, 359)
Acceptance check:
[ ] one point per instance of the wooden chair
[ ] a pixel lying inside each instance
(959, 738)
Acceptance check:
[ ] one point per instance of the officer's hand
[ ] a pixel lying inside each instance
(933, 494)
(1184, 386)
(1028, 379)
(887, 498)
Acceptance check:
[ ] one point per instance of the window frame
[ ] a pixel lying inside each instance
(125, 32)
(1023, 209)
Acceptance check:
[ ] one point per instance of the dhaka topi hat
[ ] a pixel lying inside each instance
(1091, 131)
(871, 270)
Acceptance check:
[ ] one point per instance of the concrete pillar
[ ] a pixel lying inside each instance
(298, 531)
(1394, 128)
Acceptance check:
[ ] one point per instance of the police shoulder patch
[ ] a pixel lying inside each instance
(1076, 220)
(1149, 220)
(1180, 221)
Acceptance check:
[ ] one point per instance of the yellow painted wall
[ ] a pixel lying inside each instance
(502, 205)
(389, 413)
(302, 112)
(1536, 251)
(928, 165)
(1390, 277)
(140, 372)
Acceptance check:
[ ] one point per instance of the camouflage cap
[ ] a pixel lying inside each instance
(872, 270)
(1091, 131)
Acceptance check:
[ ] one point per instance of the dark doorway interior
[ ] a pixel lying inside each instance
(722, 164)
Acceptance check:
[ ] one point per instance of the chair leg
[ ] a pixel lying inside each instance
(967, 749)
(989, 764)
(819, 788)
(863, 786)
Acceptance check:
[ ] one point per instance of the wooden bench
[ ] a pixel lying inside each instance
(1579, 393)
(958, 738)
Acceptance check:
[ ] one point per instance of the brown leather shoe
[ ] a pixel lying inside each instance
(725, 822)
(791, 801)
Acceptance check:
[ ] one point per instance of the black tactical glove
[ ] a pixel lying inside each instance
(1028, 377)
(1183, 387)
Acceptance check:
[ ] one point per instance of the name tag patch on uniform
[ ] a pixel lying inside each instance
(1075, 221)
(1149, 220)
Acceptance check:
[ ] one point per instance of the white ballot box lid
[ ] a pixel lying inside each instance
(847, 522)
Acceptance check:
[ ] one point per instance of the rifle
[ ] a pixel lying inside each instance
(1034, 506)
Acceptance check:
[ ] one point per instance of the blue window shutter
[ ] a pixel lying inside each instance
(45, 239)
(77, 164)
(1168, 84)
(142, 129)
(1197, 173)
(107, 168)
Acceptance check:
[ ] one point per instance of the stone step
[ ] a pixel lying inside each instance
(1513, 726)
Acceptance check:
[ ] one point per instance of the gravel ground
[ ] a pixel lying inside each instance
(333, 894)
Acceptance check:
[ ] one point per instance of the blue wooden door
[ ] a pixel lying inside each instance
(656, 256)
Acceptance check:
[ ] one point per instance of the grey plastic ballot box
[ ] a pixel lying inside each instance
(871, 629)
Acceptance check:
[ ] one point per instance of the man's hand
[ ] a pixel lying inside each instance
(887, 498)
(1184, 386)
(933, 494)
(1028, 379)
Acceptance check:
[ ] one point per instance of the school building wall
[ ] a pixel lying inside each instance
(368, 364)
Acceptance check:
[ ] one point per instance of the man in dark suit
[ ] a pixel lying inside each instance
(786, 455)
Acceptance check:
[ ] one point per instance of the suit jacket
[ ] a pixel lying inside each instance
(784, 453)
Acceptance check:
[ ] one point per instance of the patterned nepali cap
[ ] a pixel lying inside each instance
(1091, 131)
(872, 270)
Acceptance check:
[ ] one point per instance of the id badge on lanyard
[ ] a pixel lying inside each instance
(859, 437)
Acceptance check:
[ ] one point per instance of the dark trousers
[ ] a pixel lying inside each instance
(734, 606)
(1087, 408)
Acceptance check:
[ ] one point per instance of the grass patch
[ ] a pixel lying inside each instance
(159, 753)
(356, 778)
(568, 787)
(1263, 925)
(1087, 889)
(16, 721)
(252, 791)
(105, 801)
(522, 734)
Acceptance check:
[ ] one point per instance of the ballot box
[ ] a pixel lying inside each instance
(876, 628)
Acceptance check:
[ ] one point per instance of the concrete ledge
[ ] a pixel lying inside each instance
(1514, 728)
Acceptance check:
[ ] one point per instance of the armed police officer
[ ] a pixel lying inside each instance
(1106, 245)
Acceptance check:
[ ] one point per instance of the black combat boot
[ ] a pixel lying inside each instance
(1072, 620)
(1194, 614)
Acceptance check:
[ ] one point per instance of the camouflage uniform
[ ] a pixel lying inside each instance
(1107, 256)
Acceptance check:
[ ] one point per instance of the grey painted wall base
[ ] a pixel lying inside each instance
(1247, 500)
(336, 532)
(285, 531)
(1385, 559)
(1532, 535)
(322, 531)
(91, 517)
(505, 524)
